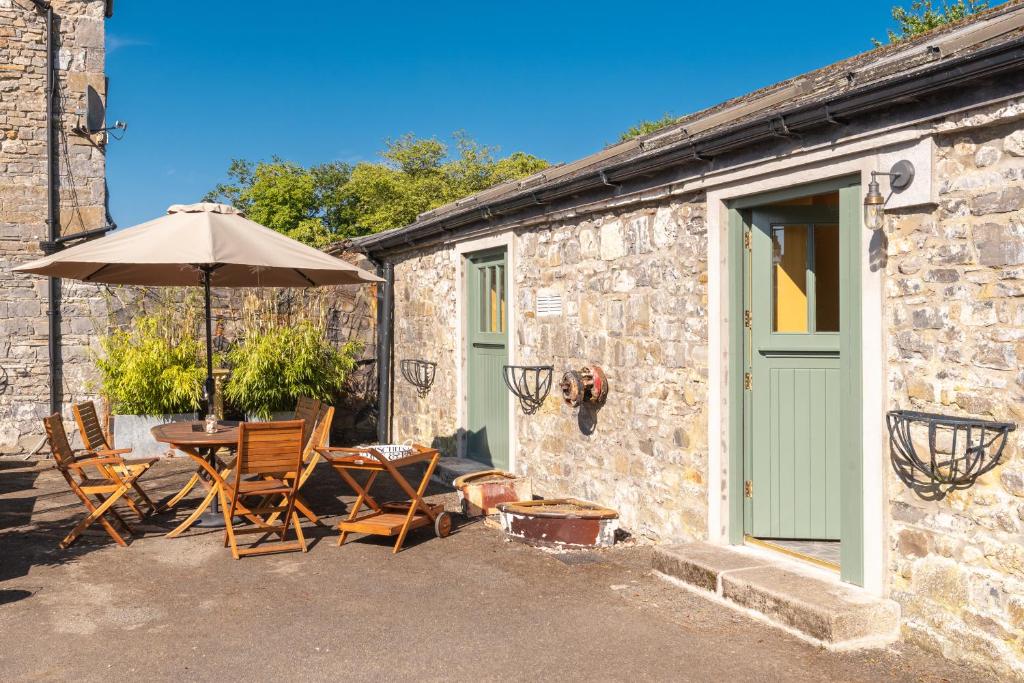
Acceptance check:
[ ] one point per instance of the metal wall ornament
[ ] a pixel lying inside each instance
(949, 453)
(528, 383)
(586, 385)
(419, 373)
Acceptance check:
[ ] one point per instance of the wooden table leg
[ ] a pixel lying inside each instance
(176, 498)
(213, 485)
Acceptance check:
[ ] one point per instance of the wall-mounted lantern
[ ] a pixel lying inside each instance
(901, 175)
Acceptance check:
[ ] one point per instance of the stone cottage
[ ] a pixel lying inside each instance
(27, 147)
(754, 332)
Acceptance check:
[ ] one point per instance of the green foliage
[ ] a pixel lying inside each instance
(146, 371)
(328, 202)
(272, 367)
(924, 15)
(645, 127)
(299, 202)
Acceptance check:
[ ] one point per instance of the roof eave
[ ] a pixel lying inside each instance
(857, 101)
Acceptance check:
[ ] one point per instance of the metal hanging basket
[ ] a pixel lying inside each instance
(529, 383)
(419, 373)
(935, 454)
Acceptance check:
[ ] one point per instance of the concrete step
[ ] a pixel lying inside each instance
(450, 469)
(806, 602)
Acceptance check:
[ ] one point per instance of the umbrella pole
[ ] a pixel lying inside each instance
(212, 517)
(209, 387)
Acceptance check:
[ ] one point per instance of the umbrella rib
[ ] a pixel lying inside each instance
(303, 275)
(90, 276)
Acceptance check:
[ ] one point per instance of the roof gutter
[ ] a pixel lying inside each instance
(987, 62)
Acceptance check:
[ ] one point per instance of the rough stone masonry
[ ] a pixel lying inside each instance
(24, 382)
(954, 310)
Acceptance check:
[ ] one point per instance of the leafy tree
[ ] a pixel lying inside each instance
(331, 201)
(924, 15)
(645, 127)
(299, 202)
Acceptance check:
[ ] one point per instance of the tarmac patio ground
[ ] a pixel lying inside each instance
(468, 607)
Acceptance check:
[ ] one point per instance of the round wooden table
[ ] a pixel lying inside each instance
(192, 439)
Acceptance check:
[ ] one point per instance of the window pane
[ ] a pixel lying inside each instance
(492, 274)
(826, 277)
(501, 298)
(481, 274)
(789, 278)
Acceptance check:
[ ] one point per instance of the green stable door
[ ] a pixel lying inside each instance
(793, 373)
(486, 356)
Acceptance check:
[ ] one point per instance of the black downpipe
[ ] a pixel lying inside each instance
(52, 214)
(385, 325)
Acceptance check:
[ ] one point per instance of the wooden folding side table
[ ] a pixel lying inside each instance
(392, 518)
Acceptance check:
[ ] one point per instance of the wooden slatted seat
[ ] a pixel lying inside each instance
(267, 453)
(96, 441)
(98, 481)
(307, 409)
(318, 438)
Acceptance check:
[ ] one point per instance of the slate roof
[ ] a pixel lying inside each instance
(780, 106)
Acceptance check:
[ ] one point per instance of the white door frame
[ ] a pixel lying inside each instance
(873, 380)
(462, 250)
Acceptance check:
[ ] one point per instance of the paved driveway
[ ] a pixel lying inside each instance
(469, 607)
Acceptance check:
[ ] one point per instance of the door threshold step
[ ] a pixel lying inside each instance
(804, 602)
(450, 468)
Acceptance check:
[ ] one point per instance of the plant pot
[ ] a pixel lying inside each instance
(481, 492)
(133, 431)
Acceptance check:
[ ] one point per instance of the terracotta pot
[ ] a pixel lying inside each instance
(482, 491)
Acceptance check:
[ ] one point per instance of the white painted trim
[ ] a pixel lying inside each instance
(462, 250)
(860, 162)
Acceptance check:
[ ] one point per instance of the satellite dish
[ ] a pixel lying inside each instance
(95, 111)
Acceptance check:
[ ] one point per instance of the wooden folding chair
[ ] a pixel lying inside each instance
(267, 453)
(96, 441)
(112, 481)
(308, 409)
(319, 438)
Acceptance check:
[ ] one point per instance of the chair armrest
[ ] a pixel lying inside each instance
(113, 451)
(94, 462)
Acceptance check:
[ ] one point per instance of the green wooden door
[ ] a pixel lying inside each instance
(486, 354)
(792, 345)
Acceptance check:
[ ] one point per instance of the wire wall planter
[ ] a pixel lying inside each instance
(935, 454)
(529, 383)
(419, 373)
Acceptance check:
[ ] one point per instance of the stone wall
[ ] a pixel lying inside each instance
(955, 314)
(24, 382)
(634, 293)
(633, 288)
(426, 327)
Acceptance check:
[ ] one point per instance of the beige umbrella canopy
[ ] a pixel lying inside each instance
(173, 250)
(199, 244)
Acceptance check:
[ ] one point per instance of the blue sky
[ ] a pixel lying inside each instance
(201, 83)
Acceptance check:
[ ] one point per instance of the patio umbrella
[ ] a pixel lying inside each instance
(208, 245)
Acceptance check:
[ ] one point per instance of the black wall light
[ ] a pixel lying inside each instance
(901, 175)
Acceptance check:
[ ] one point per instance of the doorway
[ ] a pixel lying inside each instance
(487, 409)
(800, 373)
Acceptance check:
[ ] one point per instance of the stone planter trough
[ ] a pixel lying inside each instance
(563, 523)
(133, 431)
